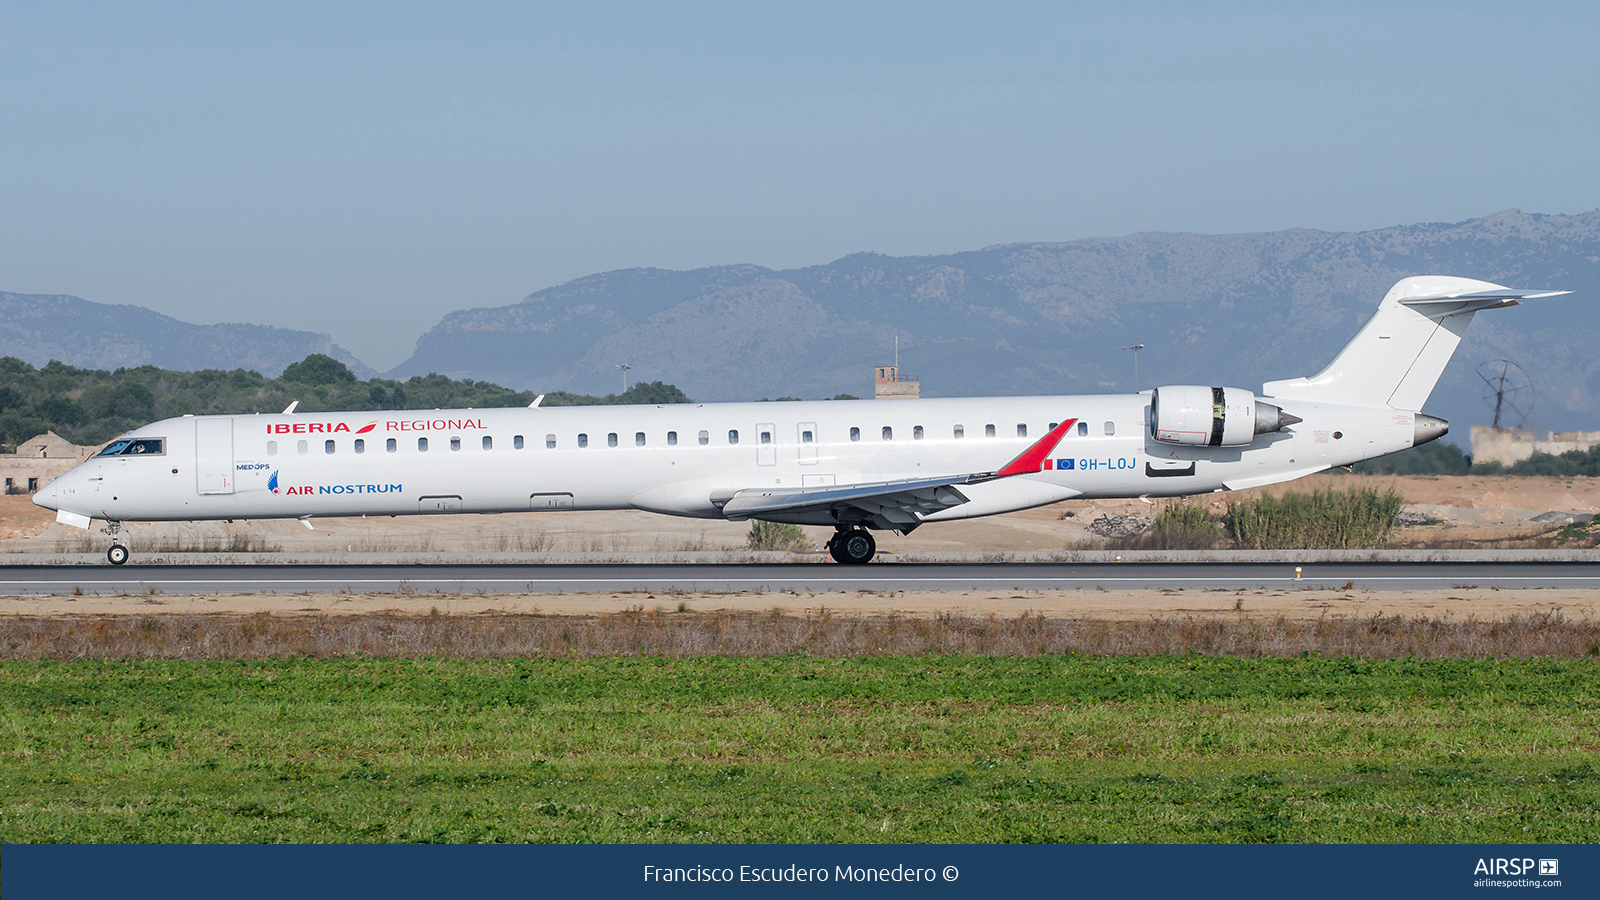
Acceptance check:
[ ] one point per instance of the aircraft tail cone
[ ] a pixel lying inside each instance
(1428, 428)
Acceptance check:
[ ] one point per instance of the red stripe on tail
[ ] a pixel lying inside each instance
(1032, 459)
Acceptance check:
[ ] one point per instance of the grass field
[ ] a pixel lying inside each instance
(801, 749)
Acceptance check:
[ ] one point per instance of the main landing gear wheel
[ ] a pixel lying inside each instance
(853, 548)
(117, 555)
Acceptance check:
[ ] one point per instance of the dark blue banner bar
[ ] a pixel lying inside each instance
(180, 872)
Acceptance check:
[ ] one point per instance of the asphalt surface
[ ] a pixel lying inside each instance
(559, 579)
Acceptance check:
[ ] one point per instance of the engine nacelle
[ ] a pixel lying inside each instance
(1200, 416)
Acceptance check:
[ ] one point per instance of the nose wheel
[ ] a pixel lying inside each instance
(118, 554)
(853, 547)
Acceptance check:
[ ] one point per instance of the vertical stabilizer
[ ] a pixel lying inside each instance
(1398, 356)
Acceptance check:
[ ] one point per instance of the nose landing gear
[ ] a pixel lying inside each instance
(118, 554)
(852, 546)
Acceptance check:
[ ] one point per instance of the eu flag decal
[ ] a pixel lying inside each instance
(1063, 463)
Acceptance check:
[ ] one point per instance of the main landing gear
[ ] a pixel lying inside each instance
(118, 554)
(852, 546)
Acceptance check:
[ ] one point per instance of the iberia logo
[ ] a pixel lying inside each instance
(272, 483)
(317, 427)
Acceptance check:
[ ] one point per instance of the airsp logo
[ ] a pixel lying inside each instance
(1515, 867)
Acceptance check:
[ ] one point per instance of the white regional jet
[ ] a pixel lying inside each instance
(855, 465)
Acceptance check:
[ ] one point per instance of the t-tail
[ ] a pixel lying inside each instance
(1397, 357)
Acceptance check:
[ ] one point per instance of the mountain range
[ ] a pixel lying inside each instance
(1234, 310)
(37, 328)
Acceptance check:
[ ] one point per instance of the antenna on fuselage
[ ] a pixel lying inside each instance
(290, 408)
(536, 401)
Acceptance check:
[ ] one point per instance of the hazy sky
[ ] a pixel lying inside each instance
(362, 170)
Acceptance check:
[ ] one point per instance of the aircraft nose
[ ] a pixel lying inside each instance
(46, 496)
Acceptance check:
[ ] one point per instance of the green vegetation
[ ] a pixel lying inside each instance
(797, 749)
(1358, 517)
(776, 536)
(1432, 458)
(1440, 458)
(644, 393)
(1183, 526)
(89, 406)
(1573, 462)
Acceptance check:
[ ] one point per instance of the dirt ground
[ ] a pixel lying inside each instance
(1468, 508)
(1459, 604)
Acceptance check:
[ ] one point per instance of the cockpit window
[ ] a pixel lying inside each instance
(133, 447)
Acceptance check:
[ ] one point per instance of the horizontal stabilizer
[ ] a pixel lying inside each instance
(1500, 294)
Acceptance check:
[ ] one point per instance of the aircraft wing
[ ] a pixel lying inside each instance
(900, 504)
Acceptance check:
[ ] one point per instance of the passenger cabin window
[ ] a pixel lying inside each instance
(855, 434)
(1053, 426)
(916, 433)
(361, 445)
(583, 440)
(488, 442)
(422, 445)
(960, 432)
(1022, 430)
(549, 442)
(302, 448)
(766, 437)
(1111, 428)
(888, 433)
(455, 443)
(705, 438)
(327, 447)
(638, 439)
(1083, 429)
(391, 445)
(988, 431)
(672, 439)
(611, 439)
(733, 437)
(516, 442)
(805, 437)
(272, 448)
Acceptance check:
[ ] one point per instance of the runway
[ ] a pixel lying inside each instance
(563, 579)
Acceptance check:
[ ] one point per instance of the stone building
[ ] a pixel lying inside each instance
(888, 386)
(1508, 447)
(40, 460)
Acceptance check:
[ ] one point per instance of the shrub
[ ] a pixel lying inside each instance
(1183, 526)
(776, 536)
(1433, 458)
(1359, 517)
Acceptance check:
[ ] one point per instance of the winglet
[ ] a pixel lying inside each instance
(1031, 460)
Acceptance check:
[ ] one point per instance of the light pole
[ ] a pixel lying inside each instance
(625, 367)
(1135, 348)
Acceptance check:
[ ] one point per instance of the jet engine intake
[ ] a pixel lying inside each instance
(1200, 416)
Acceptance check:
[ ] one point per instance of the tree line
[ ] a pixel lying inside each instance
(1440, 458)
(92, 406)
